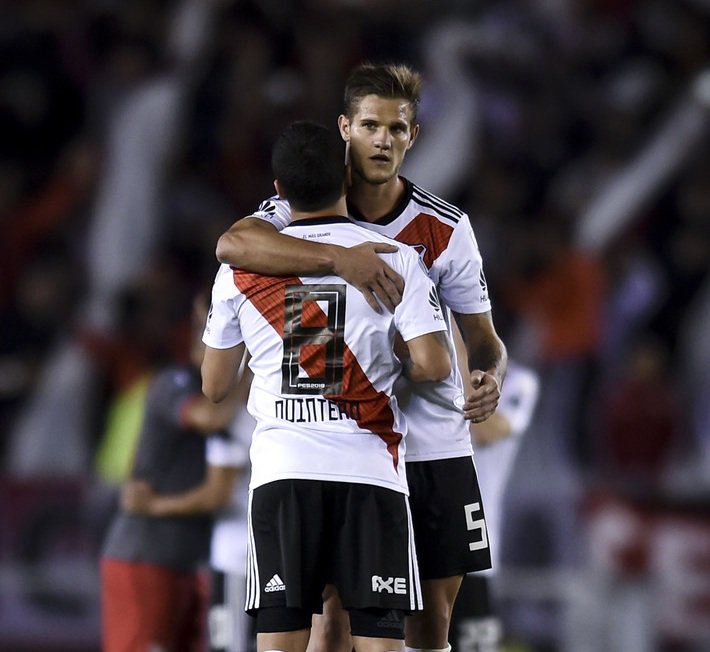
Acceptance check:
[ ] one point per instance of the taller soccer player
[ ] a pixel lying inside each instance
(379, 125)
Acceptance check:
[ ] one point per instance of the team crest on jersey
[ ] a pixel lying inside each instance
(421, 249)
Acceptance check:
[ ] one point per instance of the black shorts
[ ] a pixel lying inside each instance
(304, 534)
(447, 512)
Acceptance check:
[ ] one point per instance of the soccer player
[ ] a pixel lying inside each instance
(222, 493)
(379, 126)
(475, 625)
(153, 590)
(328, 492)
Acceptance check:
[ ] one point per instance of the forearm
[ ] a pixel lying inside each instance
(139, 497)
(475, 336)
(490, 356)
(255, 246)
(197, 501)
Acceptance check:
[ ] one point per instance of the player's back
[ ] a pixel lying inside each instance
(324, 367)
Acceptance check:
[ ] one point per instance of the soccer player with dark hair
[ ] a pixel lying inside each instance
(328, 495)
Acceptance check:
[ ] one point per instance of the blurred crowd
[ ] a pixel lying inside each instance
(574, 133)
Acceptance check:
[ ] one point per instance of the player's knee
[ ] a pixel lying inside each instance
(434, 619)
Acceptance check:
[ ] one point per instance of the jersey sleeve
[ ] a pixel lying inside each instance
(462, 283)
(519, 397)
(227, 452)
(222, 329)
(419, 312)
(275, 211)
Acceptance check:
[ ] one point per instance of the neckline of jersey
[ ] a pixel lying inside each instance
(393, 214)
(325, 219)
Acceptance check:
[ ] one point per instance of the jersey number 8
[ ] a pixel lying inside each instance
(313, 339)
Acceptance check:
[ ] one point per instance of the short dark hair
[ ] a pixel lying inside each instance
(308, 160)
(388, 80)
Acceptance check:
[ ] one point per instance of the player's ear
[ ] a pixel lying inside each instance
(413, 135)
(279, 189)
(344, 126)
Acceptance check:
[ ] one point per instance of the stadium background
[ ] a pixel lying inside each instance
(575, 133)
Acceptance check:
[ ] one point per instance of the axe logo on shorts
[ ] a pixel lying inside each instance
(396, 585)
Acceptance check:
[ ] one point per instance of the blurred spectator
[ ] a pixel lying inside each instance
(125, 230)
(46, 294)
(560, 295)
(154, 593)
(641, 421)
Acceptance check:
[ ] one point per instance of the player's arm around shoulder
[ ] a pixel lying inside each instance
(421, 325)
(256, 245)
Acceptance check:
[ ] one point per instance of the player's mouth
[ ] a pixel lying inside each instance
(380, 158)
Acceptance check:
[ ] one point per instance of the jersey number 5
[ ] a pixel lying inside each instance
(313, 339)
(476, 524)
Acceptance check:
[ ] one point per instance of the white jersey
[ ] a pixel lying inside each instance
(323, 364)
(495, 461)
(229, 533)
(442, 236)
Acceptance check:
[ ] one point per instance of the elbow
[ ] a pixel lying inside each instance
(440, 370)
(430, 371)
(213, 391)
(230, 248)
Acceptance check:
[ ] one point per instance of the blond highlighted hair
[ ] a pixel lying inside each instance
(388, 80)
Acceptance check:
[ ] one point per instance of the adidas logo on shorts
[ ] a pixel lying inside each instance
(389, 620)
(275, 584)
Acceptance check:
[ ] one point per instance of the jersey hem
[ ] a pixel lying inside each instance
(323, 477)
(433, 457)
